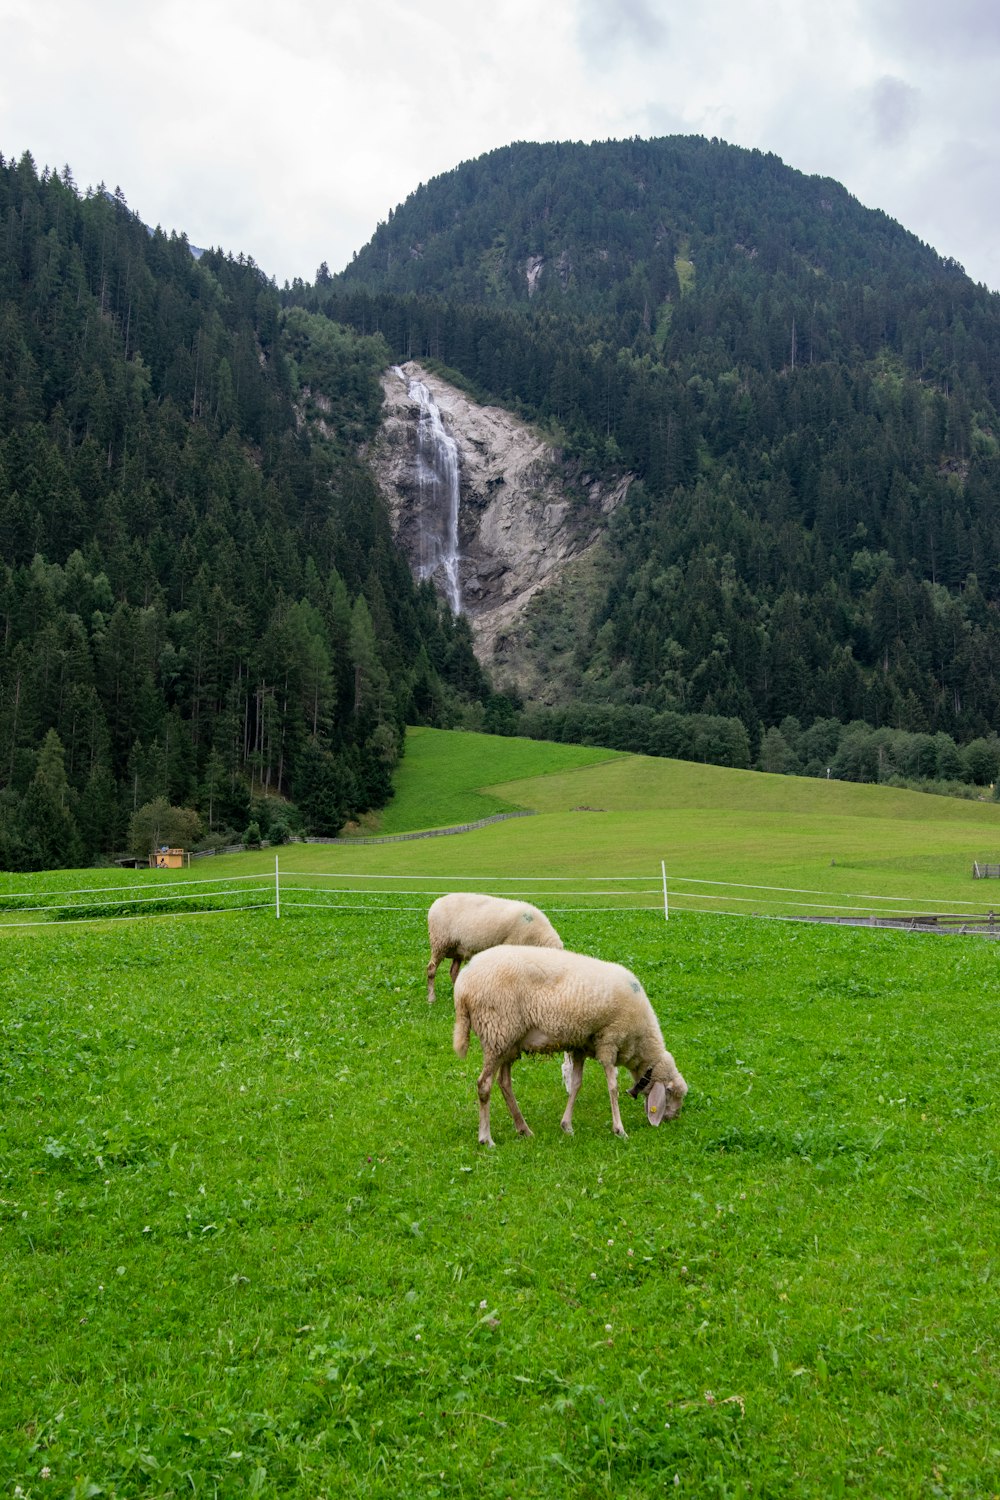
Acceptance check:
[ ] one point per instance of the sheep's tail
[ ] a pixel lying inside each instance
(460, 1036)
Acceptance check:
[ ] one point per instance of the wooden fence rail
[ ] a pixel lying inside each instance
(987, 925)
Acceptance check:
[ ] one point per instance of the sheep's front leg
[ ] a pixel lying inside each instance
(456, 964)
(611, 1073)
(484, 1086)
(573, 1085)
(507, 1089)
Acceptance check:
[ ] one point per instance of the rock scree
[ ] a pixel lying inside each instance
(525, 512)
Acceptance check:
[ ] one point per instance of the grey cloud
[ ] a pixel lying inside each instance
(605, 28)
(962, 29)
(893, 107)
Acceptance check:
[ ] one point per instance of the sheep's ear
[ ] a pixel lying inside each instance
(656, 1103)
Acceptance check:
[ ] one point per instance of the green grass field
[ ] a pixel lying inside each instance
(248, 1243)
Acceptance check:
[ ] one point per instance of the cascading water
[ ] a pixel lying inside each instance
(437, 474)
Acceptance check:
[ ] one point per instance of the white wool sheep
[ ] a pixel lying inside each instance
(519, 999)
(463, 923)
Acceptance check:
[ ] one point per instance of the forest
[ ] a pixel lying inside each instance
(201, 603)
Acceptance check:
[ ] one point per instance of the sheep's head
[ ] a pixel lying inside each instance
(663, 1101)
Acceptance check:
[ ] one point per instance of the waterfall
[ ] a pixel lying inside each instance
(437, 475)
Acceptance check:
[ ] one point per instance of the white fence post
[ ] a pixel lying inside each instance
(277, 890)
(666, 905)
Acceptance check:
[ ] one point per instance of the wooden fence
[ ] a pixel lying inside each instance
(986, 925)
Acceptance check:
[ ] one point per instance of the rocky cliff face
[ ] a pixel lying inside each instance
(525, 516)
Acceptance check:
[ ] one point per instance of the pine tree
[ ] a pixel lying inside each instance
(48, 829)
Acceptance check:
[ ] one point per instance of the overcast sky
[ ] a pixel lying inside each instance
(287, 131)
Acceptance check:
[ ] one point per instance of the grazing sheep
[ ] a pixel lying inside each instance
(519, 999)
(462, 924)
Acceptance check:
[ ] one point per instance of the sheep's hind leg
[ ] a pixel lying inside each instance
(507, 1089)
(573, 1085)
(484, 1085)
(431, 971)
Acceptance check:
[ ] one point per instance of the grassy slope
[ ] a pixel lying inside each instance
(744, 826)
(624, 814)
(442, 778)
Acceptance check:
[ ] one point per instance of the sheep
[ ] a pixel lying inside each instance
(519, 999)
(462, 924)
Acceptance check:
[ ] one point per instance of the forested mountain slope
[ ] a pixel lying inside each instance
(807, 393)
(605, 223)
(200, 598)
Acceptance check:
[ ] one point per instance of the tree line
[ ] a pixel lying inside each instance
(853, 751)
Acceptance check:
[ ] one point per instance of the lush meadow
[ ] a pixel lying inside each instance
(248, 1243)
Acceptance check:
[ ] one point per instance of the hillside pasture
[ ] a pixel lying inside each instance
(603, 826)
(732, 841)
(777, 845)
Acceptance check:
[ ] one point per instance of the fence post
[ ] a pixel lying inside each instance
(277, 890)
(666, 906)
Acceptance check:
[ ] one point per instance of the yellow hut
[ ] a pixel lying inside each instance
(166, 859)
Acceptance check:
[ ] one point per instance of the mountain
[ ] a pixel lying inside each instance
(605, 225)
(806, 395)
(773, 415)
(201, 601)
